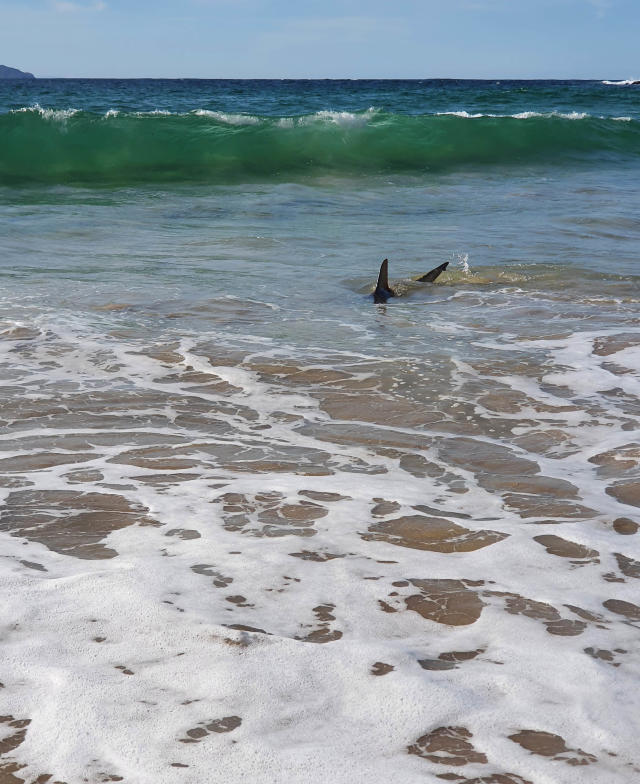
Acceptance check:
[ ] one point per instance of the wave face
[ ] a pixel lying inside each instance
(55, 146)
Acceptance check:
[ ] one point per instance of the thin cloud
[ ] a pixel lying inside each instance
(69, 7)
(601, 6)
(228, 3)
(345, 29)
(484, 5)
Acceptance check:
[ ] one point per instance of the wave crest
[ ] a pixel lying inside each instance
(52, 145)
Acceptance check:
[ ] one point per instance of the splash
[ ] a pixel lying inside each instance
(462, 261)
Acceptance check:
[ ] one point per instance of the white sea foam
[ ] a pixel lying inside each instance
(519, 116)
(48, 114)
(584, 375)
(154, 113)
(345, 119)
(463, 113)
(122, 663)
(562, 115)
(328, 117)
(229, 119)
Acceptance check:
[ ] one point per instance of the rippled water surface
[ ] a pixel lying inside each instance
(252, 522)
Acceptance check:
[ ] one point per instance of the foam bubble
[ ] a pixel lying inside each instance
(462, 113)
(562, 115)
(229, 119)
(416, 545)
(527, 115)
(47, 114)
(154, 113)
(345, 119)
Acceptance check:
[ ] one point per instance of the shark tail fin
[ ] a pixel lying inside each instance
(433, 274)
(383, 291)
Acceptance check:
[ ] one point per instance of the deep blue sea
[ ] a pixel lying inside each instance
(251, 521)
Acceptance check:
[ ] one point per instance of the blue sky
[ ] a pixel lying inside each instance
(347, 38)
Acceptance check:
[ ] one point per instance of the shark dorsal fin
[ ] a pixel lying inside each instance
(383, 277)
(383, 291)
(433, 274)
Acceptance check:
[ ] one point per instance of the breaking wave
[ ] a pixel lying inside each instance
(70, 145)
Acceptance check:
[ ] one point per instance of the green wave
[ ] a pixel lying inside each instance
(50, 146)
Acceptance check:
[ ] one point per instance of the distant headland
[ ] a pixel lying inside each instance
(14, 73)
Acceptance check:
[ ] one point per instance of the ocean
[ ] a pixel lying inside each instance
(256, 527)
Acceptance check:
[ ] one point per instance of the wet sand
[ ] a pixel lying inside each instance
(185, 545)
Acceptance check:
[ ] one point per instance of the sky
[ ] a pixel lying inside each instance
(322, 38)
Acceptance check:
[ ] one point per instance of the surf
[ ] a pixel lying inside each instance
(44, 145)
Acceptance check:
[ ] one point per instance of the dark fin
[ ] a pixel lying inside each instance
(383, 277)
(383, 291)
(431, 276)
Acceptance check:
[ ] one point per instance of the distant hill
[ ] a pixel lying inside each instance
(14, 73)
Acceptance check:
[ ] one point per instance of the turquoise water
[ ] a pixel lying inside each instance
(292, 192)
(214, 445)
(219, 132)
(287, 97)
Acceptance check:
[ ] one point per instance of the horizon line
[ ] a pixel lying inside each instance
(337, 78)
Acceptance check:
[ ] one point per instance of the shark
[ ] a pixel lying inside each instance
(384, 291)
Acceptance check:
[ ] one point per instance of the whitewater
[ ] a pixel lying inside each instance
(253, 525)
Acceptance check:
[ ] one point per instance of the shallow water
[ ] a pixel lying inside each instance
(254, 523)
